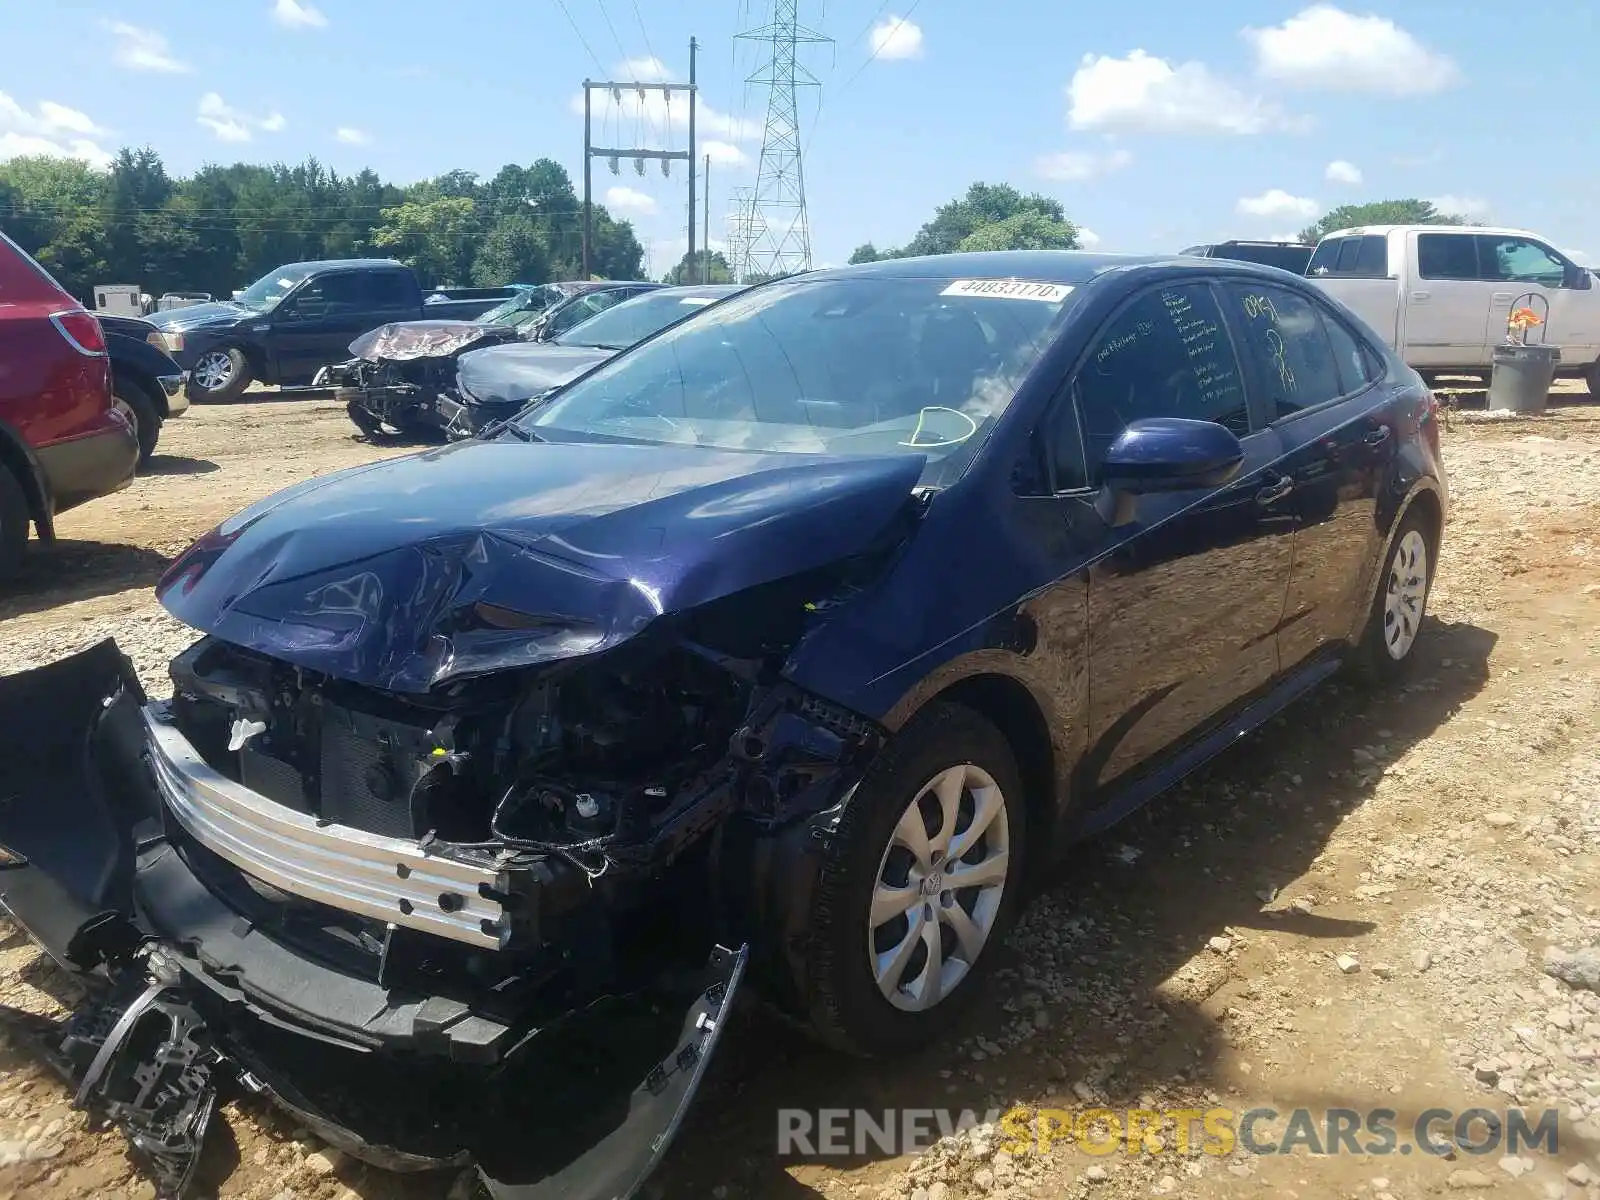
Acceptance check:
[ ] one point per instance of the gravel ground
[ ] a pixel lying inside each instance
(1383, 901)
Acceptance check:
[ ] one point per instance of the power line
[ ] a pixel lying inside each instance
(595, 58)
(878, 49)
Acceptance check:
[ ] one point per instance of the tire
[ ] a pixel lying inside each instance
(146, 416)
(1591, 377)
(232, 380)
(369, 425)
(14, 522)
(1393, 626)
(846, 1007)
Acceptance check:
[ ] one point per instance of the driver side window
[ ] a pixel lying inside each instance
(1167, 354)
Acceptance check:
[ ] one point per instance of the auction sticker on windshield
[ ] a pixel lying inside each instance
(1009, 289)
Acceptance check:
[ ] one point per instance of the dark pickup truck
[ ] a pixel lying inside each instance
(299, 318)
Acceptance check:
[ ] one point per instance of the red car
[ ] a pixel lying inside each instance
(62, 441)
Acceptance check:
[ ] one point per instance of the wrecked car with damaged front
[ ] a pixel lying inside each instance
(756, 660)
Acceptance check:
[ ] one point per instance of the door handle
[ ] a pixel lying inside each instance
(1419, 296)
(1377, 437)
(1275, 491)
(1502, 297)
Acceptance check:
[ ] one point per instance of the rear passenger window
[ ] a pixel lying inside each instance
(1447, 256)
(1167, 355)
(1286, 344)
(1367, 255)
(390, 289)
(1356, 365)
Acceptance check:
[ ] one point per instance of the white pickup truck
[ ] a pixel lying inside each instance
(1440, 294)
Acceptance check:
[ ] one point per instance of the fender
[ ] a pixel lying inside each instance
(16, 454)
(143, 364)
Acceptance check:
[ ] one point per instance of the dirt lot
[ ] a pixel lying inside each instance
(1349, 910)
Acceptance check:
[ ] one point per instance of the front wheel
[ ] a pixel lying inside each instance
(141, 410)
(1400, 602)
(220, 375)
(918, 886)
(1591, 376)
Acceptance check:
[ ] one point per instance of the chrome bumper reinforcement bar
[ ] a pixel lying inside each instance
(387, 879)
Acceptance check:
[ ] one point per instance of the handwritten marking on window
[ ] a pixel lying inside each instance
(1260, 306)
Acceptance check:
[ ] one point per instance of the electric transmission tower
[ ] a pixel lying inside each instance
(777, 237)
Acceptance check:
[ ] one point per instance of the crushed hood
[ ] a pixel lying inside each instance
(401, 341)
(517, 373)
(486, 555)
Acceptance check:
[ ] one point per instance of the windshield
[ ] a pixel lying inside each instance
(263, 295)
(634, 320)
(518, 308)
(822, 366)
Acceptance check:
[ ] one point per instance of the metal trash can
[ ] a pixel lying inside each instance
(1521, 378)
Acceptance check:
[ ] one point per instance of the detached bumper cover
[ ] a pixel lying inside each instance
(187, 997)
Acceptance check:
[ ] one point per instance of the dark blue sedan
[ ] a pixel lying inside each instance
(778, 651)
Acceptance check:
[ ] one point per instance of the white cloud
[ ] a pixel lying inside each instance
(628, 116)
(142, 49)
(351, 136)
(724, 154)
(1340, 171)
(292, 14)
(627, 199)
(52, 129)
(645, 70)
(1325, 47)
(1088, 238)
(1275, 202)
(1144, 94)
(1460, 206)
(896, 37)
(1076, 166)
(231, 125)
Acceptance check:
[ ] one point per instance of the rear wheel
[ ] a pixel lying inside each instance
(220, 375)
(14, 523)
(1591, 376)
(1400, 602)
(142, 411)
(918, 886)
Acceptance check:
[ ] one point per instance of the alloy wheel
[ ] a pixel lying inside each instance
(212, 370)
(1406, 594)
(938, 887)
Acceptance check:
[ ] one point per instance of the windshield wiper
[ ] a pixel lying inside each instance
(596, 346)
(506, 425)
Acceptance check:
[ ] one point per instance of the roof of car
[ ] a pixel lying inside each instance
(699, 289)
(342, 264)
(1055, 266)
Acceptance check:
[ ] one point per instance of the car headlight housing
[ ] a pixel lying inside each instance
(172, 343)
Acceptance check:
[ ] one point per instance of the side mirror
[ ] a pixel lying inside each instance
(1577, 278)
(1171, 454)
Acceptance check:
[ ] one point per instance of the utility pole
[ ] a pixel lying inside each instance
(779, 230)
(639, 154)
(705, 242)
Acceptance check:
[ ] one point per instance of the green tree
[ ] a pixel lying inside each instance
(867, 252)
(434, 237)
(1026, 230)
(512, 252)
(689, 269)
(1378, 212)
(984, 204)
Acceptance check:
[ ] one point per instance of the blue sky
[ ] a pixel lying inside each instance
(1157, 124)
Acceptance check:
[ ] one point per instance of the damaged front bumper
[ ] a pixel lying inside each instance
(106, 823)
